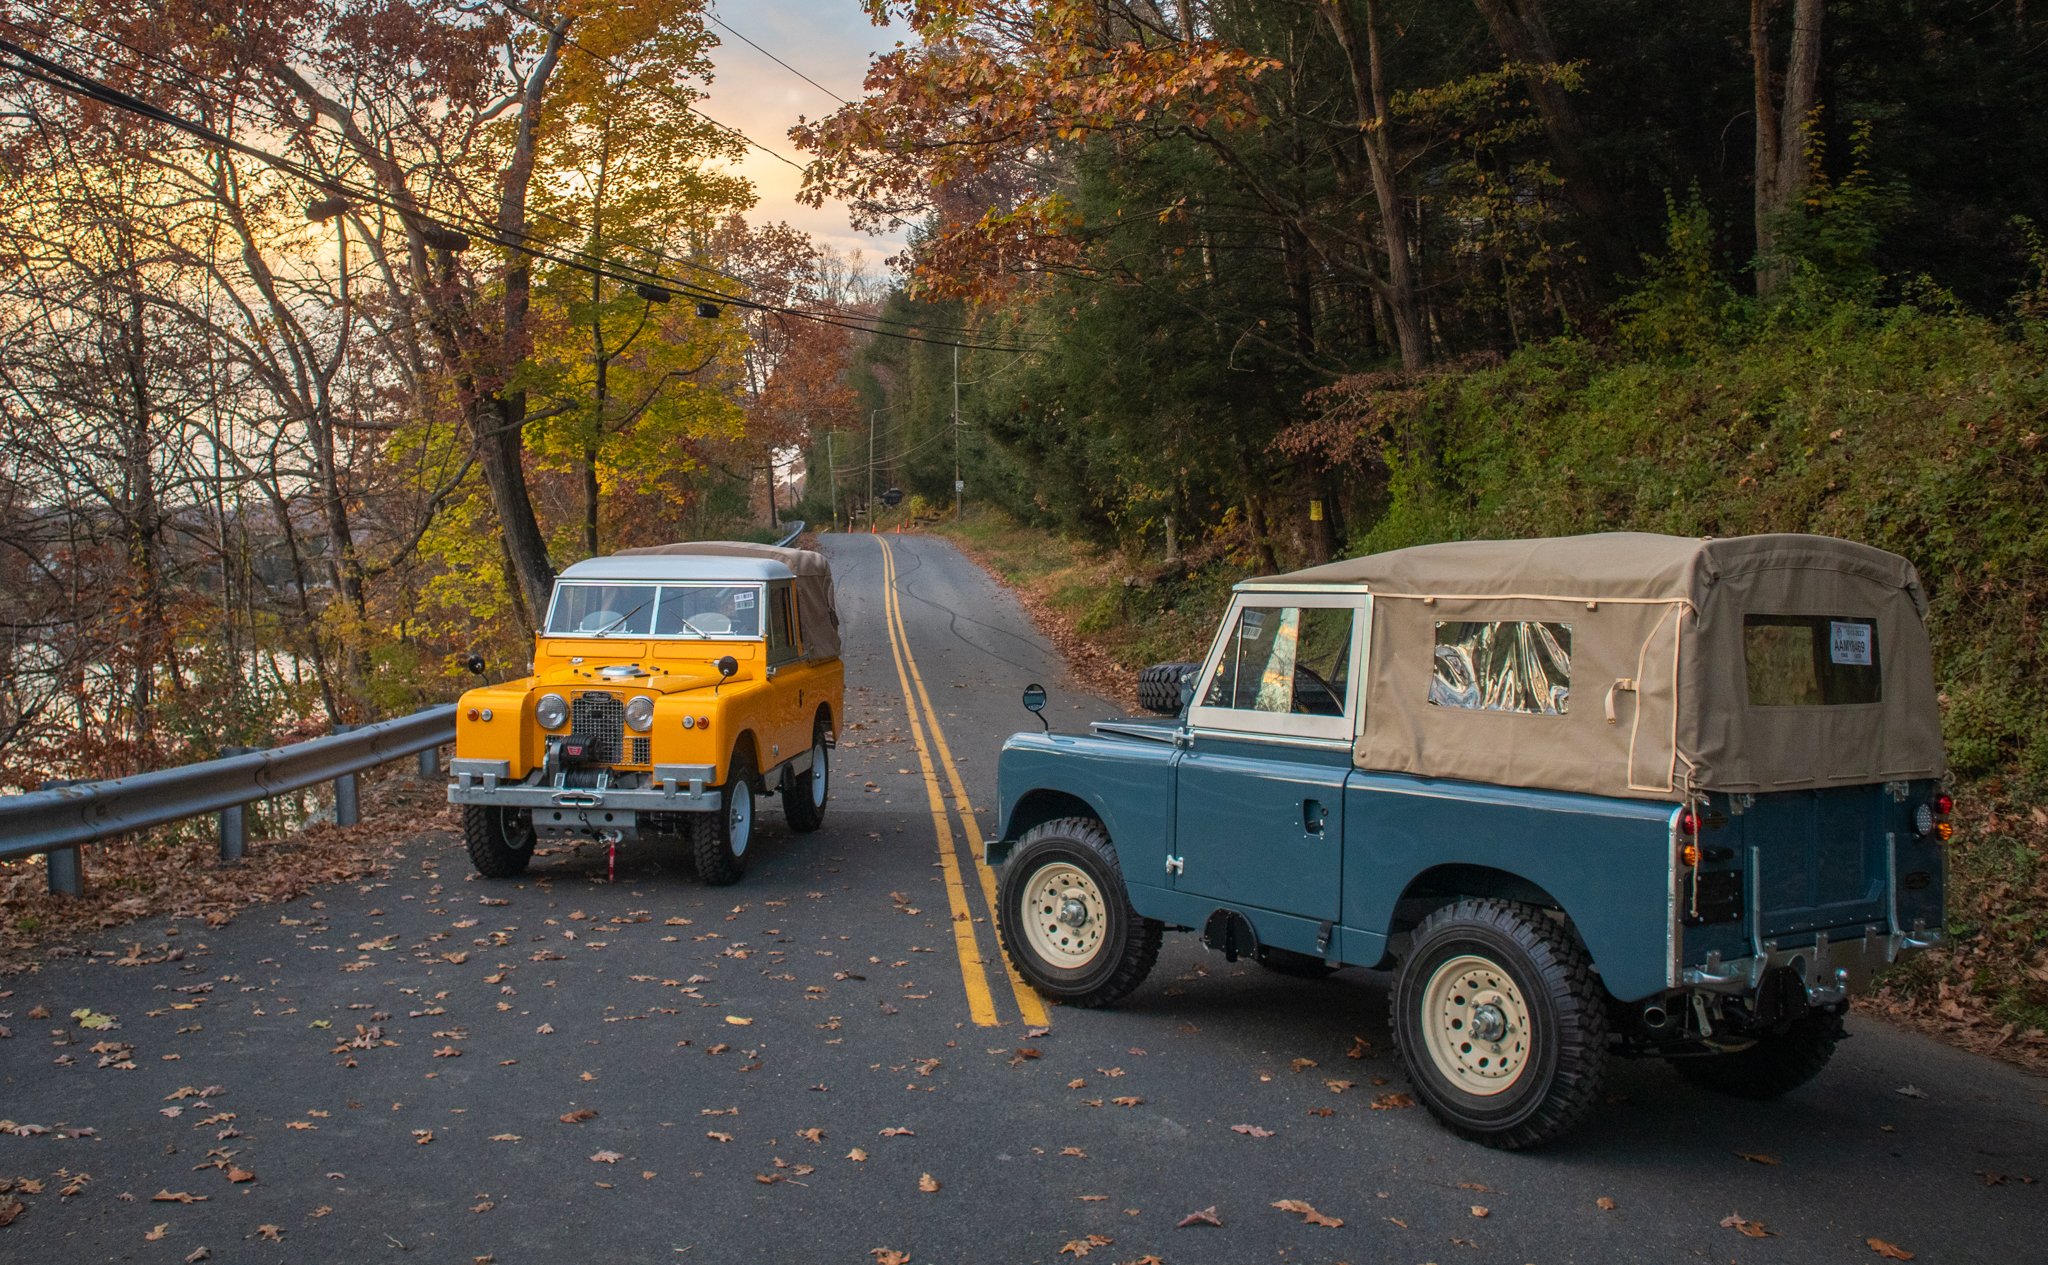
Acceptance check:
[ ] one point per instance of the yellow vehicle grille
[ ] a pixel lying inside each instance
(599, 719)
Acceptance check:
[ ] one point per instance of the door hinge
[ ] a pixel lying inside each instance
(1323, 936)
(1174, 865)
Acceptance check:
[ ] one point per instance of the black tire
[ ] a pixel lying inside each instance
(1159, 686)
(1489, 961)
(1297, 965)
(804, 796)
(500, 840)
(1777, 1064)
(1122, 947)
(723, 841)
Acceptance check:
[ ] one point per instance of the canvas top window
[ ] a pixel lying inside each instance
(1285, 666)
(1811, 660)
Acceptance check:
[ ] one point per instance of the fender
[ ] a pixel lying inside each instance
(1126, 785)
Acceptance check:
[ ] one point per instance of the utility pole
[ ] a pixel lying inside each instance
(871, 469)
(832, 465)
(958, 486)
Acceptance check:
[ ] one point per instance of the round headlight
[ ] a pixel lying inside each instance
(1923, 820)
(550, 711)
(640, 714)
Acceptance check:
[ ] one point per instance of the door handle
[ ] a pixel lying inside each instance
(1313, 815)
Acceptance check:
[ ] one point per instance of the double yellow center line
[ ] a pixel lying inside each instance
(981, 1004)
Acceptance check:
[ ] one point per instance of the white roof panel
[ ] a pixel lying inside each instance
(677, 567)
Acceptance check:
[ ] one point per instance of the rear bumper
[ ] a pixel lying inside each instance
(1830, 969)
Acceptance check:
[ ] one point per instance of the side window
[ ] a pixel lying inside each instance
(1810, 660)
(1286, 659)
(1503, 666)
(781, 624)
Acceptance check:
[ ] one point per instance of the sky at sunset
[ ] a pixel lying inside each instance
(828, 40)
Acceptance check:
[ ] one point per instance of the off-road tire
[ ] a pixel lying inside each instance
(500, 840)
(1159, 686)
(802, 806)
(1550, 985)
(1297, 965)
(1127, 945)
(723, 841)
(1777, 1064)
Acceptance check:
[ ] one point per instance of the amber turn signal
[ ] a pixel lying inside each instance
(1690, 854)
(1944, 831)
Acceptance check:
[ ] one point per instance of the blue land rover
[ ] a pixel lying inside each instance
(1618, 793)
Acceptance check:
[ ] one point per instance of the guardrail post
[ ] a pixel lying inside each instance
(346, 809)
(234, 821)
(66, 866)
(430, 759)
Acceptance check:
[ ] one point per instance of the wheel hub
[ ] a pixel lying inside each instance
(1475, 1025)
(1073, 912)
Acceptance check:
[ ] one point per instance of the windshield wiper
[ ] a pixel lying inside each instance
(621, 619)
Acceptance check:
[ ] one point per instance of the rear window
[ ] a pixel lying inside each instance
(1810, 660)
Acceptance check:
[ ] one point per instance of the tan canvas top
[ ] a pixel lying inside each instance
(817, 610)
(1659, 695)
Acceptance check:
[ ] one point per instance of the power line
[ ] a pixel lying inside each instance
(75, 83)
(714, 19)
(846, 318)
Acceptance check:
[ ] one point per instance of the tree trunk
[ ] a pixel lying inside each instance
(1369, 95)
(1524, 38)
(1781, 133)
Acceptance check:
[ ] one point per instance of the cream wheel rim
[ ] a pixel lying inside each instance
(821, 773)
(1064, 916)
(1475, 1025)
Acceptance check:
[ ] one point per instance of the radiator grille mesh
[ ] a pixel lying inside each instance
(600, 720)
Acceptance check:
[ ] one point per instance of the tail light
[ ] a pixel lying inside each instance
(1931, 818)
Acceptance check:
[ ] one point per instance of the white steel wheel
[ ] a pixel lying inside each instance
(821, 768)
(739, 818)
(1475, 1025)
(1063, 915)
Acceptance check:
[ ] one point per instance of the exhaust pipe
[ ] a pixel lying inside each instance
(1654, 1017)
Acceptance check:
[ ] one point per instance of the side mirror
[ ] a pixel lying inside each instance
(475, 663)
(1034, 702)
(726, 665)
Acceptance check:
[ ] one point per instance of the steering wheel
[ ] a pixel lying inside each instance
(1305, 701)
(598, 619)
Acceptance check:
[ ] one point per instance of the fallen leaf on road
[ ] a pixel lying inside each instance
(737, 1021)
(177, 1197)
(811, 1135)
(1360, 1048)
(716, 1136)
(1754, 1229)
(197, 1255)
(447, 1052)
(421, 1137)
(546, 1030)
(1308, 1212)
(1910, 1091)
(504, 1137)
(1128, 1101)
(1077, 1083)
(240, 1175)
(1302, 1065)
(1771, 1160)
(606, 1157)
(1604, 1204)
(1481, 1211)
(1389, 1102)
(1338, 1086)
(857, 1155)
(928, 1184)
(578, 1116)
(1201, 1216)
(274, 1233)
(10, 1208)
(92, 1019)
(1074, 1151)
(1081, 1247)
(157, 1235)
(1032, 1034)
(1890, 1251)
(889, 1256)
(1251, 1130)
(898, 1131)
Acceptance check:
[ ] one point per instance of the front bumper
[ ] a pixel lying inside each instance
(673, 788)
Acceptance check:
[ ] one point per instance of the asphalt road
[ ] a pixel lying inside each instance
(774, 1068)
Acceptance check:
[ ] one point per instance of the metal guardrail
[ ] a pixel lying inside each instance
(60, 819)
(795, 529)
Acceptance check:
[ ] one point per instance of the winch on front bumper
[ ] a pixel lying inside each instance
(604, 807)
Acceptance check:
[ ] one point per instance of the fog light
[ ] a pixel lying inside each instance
(550, 711)
(640, 714)
(689, 722)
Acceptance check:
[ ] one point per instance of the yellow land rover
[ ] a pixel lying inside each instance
(672, 687)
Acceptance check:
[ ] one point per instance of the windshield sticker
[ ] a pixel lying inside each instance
(1849, 643)
(743, 600)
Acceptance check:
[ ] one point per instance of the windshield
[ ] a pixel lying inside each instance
(666, 610)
